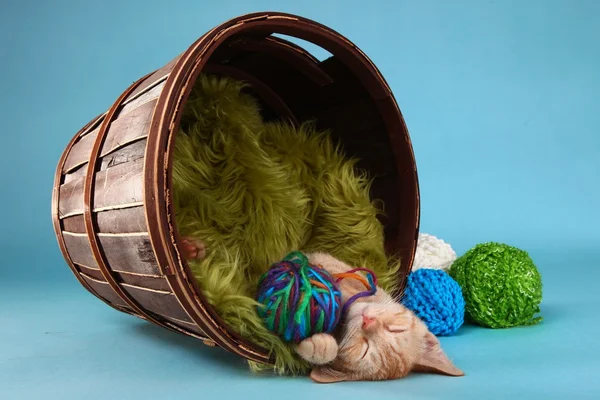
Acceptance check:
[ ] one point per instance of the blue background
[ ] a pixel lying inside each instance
(501, 99)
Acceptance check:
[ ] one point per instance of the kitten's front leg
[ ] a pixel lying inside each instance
(319, 349)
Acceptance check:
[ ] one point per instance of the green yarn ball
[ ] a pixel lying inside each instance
(501, 285)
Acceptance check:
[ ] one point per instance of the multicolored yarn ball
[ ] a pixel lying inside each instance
(299, 299)
(501, 285)
(436, 299)
(433, 252)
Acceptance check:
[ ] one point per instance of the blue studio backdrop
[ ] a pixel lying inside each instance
(501, 100)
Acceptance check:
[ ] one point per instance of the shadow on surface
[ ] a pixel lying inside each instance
(190, 345)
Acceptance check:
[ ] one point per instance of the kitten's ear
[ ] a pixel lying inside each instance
(328, 375)
(434, 359)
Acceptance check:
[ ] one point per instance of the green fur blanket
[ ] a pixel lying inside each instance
(253, 191)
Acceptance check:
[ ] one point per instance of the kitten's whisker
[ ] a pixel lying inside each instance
(349, 334)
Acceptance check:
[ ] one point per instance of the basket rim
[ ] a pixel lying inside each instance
(158, 202)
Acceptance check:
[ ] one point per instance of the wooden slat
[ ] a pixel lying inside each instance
(151, 94)
(74, 224)
(132, 152)
(115, 186)
(130, 254)
(144, 281)
(126, 129)
(127, 253)
(191, 326)
(122, 221)
(79, 250)
(130, 127)
(104, 290)
(74, 174)
(158, 302)
(80, 152)
(152, 79)
(93, 126)
(126, 220)
(92, 272)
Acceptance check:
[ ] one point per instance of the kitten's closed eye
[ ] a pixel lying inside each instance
(366, 348)
(397, 328)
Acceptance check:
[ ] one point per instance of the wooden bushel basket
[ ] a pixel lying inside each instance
(111, 204)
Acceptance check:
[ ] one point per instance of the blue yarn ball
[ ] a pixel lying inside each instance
(436, 299)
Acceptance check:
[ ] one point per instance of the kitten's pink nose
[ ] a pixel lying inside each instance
(368, 321)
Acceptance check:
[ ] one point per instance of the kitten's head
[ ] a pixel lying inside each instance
(381, 341)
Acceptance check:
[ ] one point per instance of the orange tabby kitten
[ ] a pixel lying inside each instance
(379, 339)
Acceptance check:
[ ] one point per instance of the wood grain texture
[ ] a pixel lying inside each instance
(91, 272)
(74, 224)
(79, 250)
(133, 151)
(74, 174)
(125, 220)
(151, 94)
(80, 152)
(115, 186)
(158, 302)
(131, 126)
(88, 201)
(104, 290)
(145, 281)
(187, 326)
(128, 128)
(56, 223)
(129, 253)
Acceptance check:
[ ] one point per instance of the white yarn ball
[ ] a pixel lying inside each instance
(433, 253)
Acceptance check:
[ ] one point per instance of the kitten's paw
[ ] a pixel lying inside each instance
(193, 249)
(318, 349)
